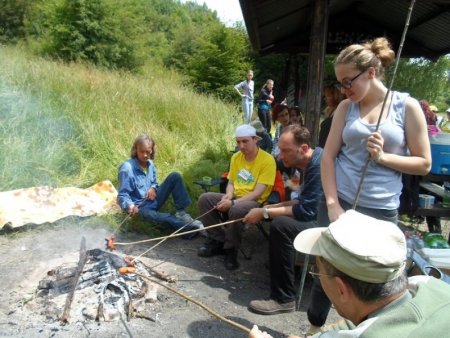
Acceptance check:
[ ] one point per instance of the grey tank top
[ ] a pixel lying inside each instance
(382, 186)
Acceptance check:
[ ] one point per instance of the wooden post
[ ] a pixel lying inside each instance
(317, 51)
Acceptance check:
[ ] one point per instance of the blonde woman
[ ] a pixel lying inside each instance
(265, 100)
(399, 146)
(245, 90)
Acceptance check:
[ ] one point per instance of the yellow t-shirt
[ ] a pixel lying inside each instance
(245, 175)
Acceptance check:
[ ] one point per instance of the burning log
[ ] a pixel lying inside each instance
(79, 270)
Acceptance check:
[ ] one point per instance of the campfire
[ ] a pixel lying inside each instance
(105, 285)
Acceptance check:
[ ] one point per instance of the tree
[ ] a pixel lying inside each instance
(424, 79)
(96, 31)
(220, 59)
(12, 19)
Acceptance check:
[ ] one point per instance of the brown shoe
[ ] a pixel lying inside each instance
(270, 307)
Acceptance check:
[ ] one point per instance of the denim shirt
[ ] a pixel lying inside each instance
(134, 184)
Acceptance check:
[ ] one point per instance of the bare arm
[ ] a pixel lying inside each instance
(419, 161)
(237, 89)
(255, 194)
(255, 215)
(327, 165)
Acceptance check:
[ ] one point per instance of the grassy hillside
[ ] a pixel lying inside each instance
(71, 125)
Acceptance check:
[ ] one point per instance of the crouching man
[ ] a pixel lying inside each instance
(361, 266)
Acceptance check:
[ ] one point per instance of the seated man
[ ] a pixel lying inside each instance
(139, 191)
(361, 266)
(289, 218)
(250, 181)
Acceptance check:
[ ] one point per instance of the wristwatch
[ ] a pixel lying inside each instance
(266, 213)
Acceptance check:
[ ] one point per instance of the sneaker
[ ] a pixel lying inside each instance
(270, 307)
(199, 225)
(211, 248)
(313, 330)
(231, 262)
(184, 216)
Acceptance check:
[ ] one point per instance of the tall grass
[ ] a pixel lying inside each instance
(72, 125)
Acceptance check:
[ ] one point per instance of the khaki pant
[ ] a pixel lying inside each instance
(230, 234)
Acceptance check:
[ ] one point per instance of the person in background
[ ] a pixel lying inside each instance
(245, 90)
(265, 100)
(140, 193)
(400, 145)
(280, 115)
(430, 117)
(296, 116)
(266, 142)
(289, 218)
(360, 263)
(333, 97)
(445, 123)
(250, 181)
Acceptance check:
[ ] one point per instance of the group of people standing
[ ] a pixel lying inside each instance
(360, 253)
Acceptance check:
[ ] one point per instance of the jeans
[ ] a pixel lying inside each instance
(282, 253)
(230, 234)
(247, 108)
(320, 305)
(172, 185)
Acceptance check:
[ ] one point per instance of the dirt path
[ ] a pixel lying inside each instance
(27, 256)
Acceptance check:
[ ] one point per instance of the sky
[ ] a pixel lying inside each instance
(228, 11)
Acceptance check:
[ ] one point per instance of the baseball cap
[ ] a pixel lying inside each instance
(360, 246)
(246, 130)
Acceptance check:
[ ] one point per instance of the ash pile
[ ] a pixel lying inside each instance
(96, 290)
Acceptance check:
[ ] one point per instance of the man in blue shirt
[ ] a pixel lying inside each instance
(139, 191)
(289, 219)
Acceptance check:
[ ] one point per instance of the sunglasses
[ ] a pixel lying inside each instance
(347, 84)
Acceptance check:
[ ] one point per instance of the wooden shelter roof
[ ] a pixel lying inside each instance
(283, 26)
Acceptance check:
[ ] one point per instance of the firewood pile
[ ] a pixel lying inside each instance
(96, 290)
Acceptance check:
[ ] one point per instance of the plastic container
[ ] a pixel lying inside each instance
(426, 201)
(440, 154)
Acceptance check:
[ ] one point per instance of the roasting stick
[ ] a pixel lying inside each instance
(111, 240)
(128, 216)
(181, 234)
(397, 60)
(190, 299)
(178, 235)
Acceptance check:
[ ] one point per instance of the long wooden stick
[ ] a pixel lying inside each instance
(399, 52)
(190, 299)
(80, 267)
(179, 234)
(183, 233)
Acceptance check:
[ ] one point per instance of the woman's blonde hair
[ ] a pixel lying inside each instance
(376, 53)
(267, 82)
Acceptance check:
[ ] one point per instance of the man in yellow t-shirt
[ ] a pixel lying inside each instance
(250, 181)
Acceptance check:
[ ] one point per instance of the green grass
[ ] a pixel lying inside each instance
(72, 125)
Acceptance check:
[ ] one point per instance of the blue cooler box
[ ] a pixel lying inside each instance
(440, 154)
